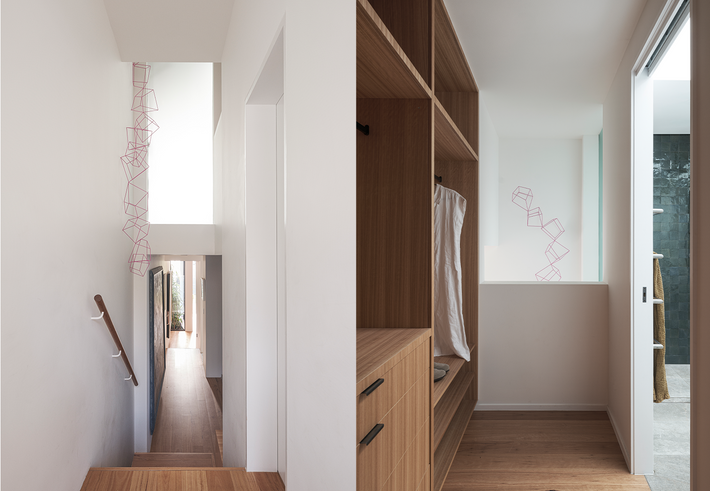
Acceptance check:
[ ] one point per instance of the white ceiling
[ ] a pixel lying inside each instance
(544, 67)
(170, 30)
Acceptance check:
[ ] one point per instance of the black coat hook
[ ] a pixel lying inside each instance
(365, 129)
(438, 178)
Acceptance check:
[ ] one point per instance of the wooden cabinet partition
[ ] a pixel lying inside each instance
(419, 99)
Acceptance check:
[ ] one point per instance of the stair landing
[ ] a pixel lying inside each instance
(166, 459)
(180, 479)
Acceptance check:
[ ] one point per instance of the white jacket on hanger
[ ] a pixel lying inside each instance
(449, 332)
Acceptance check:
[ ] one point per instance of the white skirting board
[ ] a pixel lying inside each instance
(624, 450)
(481, 406)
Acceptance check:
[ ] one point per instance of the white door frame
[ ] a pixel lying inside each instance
(641, 251)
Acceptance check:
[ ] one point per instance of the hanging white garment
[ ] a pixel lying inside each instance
(449, 333)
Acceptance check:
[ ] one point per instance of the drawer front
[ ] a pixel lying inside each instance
(376, 461)
(408, 474)
(372, 408)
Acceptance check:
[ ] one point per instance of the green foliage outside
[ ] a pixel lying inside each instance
(177, 307)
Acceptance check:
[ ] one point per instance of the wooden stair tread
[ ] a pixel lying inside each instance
(173, 459)
(180, 479)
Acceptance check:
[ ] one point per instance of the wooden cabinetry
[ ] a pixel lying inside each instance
(393, 408)
(417, 95)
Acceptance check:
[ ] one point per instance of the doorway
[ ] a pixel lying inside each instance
(266, 197)
(189, 417)
(661, 227)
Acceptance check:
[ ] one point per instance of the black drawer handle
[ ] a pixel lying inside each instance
(373, 433)
(375, 385)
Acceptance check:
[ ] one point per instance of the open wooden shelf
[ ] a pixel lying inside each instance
(449, 404)
(445, 453)
(383, 69)
(449, 143)
(451, 71)
(462, 109)
(410, 23)
(455, 363)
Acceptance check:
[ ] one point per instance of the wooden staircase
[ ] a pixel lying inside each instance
(178, 472)
(165, 459)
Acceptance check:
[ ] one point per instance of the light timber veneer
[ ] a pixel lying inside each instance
(419, 98)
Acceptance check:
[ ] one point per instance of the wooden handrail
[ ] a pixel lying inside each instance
(107, 318)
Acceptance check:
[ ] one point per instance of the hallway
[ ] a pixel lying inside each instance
(540, 450)
(190, 412)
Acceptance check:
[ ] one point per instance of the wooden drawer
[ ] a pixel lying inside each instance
(408, 474)
(372, 408)
(376, 461)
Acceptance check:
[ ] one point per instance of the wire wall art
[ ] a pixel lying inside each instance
(135, 165)
(523, 197)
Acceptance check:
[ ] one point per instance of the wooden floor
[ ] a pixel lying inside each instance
(540, 451)
(223, 479)
(189, 414)
(182, 340)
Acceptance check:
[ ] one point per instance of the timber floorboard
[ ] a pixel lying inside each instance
(194, 479)
(189, 415)
(540, 451)
(182, 339)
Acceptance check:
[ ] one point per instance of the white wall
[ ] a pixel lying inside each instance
(617, 229)
(213, 316)
(552, 169)
(66, 101)
(262, 285)
(671, 107)
(320, 238)
(543, 346)
(488, 176)
(193, 240)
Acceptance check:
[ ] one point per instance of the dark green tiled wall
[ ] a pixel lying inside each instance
(671, 237)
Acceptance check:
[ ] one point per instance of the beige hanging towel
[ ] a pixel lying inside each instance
(660, 385)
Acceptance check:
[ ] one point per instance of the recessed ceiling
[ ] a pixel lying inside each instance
(170, 30)
(544, 67)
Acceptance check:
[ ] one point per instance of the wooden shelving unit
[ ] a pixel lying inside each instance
(383, 68)
(455, 364)
(420, 100)
(446, 451)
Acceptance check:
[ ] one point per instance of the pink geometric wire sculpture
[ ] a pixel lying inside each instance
(135, 165)
(548, 273)
(553, 229)
(535, 217)
(523, 197)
